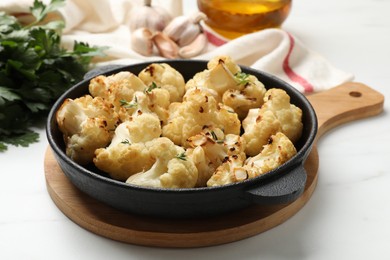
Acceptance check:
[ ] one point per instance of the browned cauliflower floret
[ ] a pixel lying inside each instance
(227, 60)
(218, 76)
(159, 103)
(289, 115)
(248, 94)
(172, 169)
(120, 90)
(258, 127)
(235, 89)
(235, 168)
(116, 87)
(197, 111)
(87, 124)
(153, 102)
(165, 77)
(276, 114)
(278, 151)
(128, 153)
(210, 149)
(230, 171)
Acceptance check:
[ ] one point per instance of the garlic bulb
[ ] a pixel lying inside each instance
(184, 29)
(147, 16)
(141, 41)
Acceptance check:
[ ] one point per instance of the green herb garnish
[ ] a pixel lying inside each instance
(215, 138)
(151, 87)
(127, 104)
(34, 71)
(182, 156)
(242, 78)
(125, 141)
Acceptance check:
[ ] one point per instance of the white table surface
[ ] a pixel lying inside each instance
(348, 216)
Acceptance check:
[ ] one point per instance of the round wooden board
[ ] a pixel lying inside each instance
(108, 222)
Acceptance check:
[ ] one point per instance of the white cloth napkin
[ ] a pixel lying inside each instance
(105, 23)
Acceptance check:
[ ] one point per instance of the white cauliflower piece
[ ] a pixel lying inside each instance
(87, 124)
(128, 152)
(166, 77)
(197, 111)
(172, 169)
(278, 151)
(219, 76)
(154, 102)
(210, 149)
(289, 115)
(227, 60)
(116, 87)
(235, 89)
(230, 171)
(276, 115)
(119, 89)
(159, 103)
(248, 94)
(258, 127)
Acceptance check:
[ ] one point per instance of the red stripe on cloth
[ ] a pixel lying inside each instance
(291, 74)
(214, 39)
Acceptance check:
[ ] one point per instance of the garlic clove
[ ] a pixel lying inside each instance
(195, 48)
(197, 17)
(141, 41)
(189, 34)
(184, 29)
(176, 27)
(166, 46)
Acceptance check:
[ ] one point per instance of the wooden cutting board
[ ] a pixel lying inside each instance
(347, 102)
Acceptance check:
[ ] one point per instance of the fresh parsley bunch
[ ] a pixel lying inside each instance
(34, 71)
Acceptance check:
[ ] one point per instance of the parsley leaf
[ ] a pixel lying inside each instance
(34, 71)
(23, 139)
(39, 10)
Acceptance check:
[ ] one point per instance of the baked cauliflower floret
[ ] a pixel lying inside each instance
(198, 110)
(235, 89)
(218, 76)
(249, 94)
(159, 102)
(87, 124)
(231, 170)
(289, 115)
(227, 60)
(258, 127)
(116, 87)
(278, 151)
(210, 148)
(166, 77)
(128, 154)
(172, 169)
(235, 168)
(154, 102)
(276, 115)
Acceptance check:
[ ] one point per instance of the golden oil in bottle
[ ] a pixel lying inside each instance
(233, 18)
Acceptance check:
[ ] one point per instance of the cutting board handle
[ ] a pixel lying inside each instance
(347, 102)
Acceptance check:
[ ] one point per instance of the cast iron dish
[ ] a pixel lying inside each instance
(281, 185)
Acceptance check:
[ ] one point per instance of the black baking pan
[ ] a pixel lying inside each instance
(281, 185)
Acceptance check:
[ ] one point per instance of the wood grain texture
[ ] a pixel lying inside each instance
(111, 223)
(341, 104)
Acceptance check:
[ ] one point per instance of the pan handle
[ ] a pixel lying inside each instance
(283, 189)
